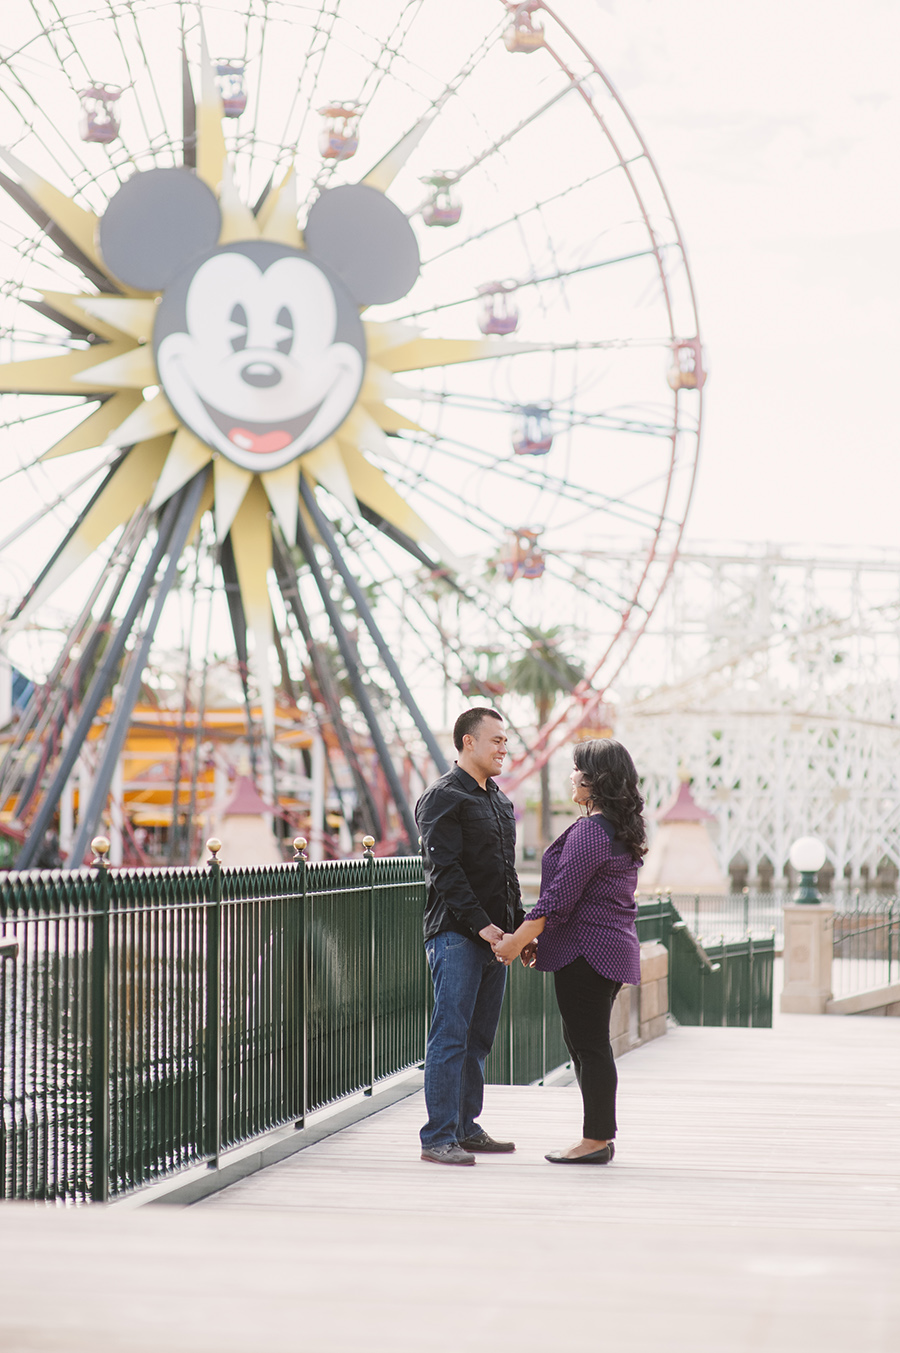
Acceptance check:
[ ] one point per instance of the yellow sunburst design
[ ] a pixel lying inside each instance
(164, 454)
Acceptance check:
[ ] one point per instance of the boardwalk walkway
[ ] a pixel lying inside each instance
(754, 1206)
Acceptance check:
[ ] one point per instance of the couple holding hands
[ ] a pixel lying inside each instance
(582, 929)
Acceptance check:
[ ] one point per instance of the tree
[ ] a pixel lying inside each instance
(540, 672)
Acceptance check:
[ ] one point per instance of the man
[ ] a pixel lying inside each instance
(468, 830)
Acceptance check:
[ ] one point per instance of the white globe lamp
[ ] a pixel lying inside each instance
(807, 856)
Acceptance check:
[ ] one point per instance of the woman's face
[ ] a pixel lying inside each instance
(580, 791)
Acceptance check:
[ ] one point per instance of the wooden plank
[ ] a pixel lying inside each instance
(784, 1128)
(754, 1205)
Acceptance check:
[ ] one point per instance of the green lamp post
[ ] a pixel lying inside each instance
(807, 856)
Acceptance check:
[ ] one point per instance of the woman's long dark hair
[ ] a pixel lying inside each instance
(612, 782)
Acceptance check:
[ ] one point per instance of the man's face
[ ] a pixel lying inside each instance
(487, 746)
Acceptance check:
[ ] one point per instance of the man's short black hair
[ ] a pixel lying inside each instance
(469, 720)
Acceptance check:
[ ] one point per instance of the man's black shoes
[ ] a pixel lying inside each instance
(485, 1143)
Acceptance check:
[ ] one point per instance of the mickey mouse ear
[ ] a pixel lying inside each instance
(367, 240)
(156, 223)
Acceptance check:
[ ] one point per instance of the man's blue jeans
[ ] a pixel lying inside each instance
(468, 993)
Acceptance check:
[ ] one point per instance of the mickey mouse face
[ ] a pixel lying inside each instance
(259, 346)
(260, 351)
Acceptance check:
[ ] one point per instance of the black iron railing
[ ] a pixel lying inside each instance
(715, 918)
(866, 945)
(727, 983)
(151, 1019)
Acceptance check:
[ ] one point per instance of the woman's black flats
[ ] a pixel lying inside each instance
(601, 1157)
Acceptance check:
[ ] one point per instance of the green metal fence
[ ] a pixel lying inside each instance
(866, 944)
(150, 1019)
(729, 983)
(732, 916)
(529, 1043)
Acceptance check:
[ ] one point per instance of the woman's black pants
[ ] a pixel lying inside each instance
(585, 1001)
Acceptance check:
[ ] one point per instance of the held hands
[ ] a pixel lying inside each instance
(529, 954)
(507, 948)
(491, 933)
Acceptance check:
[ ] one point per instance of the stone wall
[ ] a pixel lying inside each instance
(639, 1013)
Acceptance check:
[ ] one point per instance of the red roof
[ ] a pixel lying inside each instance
(684, 809)
(245, 801)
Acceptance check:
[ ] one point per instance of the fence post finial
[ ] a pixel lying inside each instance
(100, 847)
(369, 857)
(212, 1043)
(299, 850)
(99, 1024)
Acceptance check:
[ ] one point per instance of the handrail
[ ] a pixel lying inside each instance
(698, 948)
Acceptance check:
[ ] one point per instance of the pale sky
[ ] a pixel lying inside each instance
(776, 129)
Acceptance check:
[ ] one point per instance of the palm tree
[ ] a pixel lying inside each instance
(541, 671)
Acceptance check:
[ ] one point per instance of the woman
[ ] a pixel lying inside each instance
(586, 917)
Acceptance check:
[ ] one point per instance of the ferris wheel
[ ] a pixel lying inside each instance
(370, 309)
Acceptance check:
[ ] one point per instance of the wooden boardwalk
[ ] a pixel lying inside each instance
(754, 1206)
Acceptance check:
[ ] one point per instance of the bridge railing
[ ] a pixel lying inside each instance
(151, 1019)
(866, 945)
(727, 982)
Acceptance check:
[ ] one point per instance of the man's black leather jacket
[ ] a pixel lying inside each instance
(469, 851)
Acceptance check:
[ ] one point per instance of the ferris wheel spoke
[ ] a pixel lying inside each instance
(522, 283)
(559, 487)
(64, 548)
(459, 174)
(286, 578)
(54, 230)
(45, 209)
(261, 18)
(589, 512)
(486, 605)
(114, 20)
(379, 72)
(61, 498)
(423, 354)
(188, 109)
(367, 94)
(183, 506)
(383, 173)
(538, 206)
(449, 502)
(565, 419)
(61, 26)
(312, 50)
(452, 644)
(536, 479)
(48, 32)
(363, 695)
(605, 593)
(359, 601)
(23, 420)
(490, 528)
(76, 657)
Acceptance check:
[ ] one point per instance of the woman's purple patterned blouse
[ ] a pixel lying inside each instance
(587, 895)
